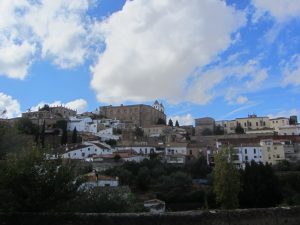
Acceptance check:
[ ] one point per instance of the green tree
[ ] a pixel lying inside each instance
(176, 123)
(174, 188)
(260, 186)
(104, 200)
(12, 140)
(42, 135)
(74, 135)
(45, 108)
(198, 168)
(219, 130)
(143, 179)
(25, 126)
(170, 123)
(226, 180)
(62, 125)
(207, 132)
(111, 142)
(239, 129)
(64, 137)
(117, 158)
(29, 182)
(161, 121)
(139, 132)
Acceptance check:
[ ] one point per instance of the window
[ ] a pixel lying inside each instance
(245, 124)
(245, 151)
(82, 154)
(275, 148)
(246, 158)
(88, 149)
(278, 156)
(257, 123)
(254, 151)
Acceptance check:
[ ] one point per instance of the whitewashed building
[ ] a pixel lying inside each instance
(289, 130)
(86, 150)
(144, 150)
(276, 123)
(95, 180)
(84, 124)
(247, 153)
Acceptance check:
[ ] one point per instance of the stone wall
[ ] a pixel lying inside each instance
(271, 216)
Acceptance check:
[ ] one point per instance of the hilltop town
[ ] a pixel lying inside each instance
(134, 132)
(134, 148)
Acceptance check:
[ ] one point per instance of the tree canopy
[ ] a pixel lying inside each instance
(226, 180)
(31, 183)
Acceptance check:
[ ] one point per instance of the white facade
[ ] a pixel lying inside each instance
(276, 123)
(246, 154)
(81, 124)
(144, 150)
(85, 124)
(289, 130)
(103, 181)
(175, 150)
(87, 150)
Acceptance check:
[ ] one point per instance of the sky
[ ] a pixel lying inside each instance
(217, 58)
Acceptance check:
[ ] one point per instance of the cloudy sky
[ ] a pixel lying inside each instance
(224, 59)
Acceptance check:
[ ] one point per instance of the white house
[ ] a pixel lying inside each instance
(144, 150)
(247, 153)
(86, 150)
(276, 123)
(176, 148)
(84, 124)
(95, 180)
(289, 130)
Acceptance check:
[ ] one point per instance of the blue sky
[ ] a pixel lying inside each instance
(223, 59)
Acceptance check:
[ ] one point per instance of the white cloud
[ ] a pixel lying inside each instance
(15, 59)
(9, 105)
(240, 109)
(286, 113)
(57, 30)
(152, 48)
(242, 100)
(228, 79)
(79, 104)
(258, 79)
(183, 120)
(291, 71)
(281, 10)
